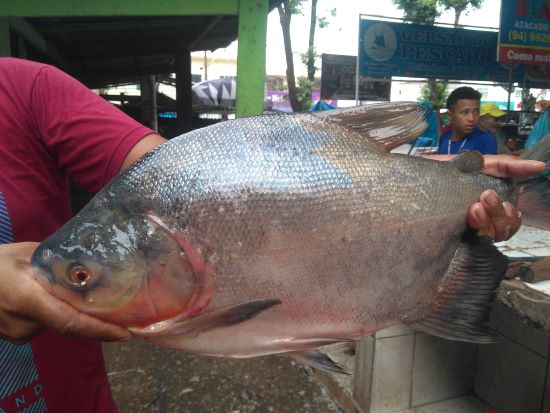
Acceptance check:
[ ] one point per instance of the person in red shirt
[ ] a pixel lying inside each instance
(53, 128)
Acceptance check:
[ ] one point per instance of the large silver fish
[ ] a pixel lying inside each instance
(283, 233)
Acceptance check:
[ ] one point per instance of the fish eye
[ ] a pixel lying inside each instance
(79, 275)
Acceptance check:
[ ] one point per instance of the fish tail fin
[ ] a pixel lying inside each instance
(468, 289)
(534, 192)
(539, 152)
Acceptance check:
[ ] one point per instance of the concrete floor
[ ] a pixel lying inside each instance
(146, 378)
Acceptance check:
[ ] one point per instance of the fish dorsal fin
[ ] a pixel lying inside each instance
(391, 124)
(467, 291)
(468, 162)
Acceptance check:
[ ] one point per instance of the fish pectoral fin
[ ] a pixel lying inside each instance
(470, 162)
(468, 289)
(318, 360)
(223, 317)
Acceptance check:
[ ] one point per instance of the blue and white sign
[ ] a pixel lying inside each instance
(525, 32)
(414, 50)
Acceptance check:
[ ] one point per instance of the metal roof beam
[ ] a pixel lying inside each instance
(213, 22)
(73, 8)
(116, 23)
(30, 34)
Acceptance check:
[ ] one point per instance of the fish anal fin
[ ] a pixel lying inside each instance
(223, 317)
(468, 162)
(468, 289)
(318, 360)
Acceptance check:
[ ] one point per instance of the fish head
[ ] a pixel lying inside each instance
(115, 264)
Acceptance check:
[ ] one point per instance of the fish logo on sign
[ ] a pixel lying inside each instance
(380, 42)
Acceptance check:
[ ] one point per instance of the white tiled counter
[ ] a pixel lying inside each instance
(527, 242)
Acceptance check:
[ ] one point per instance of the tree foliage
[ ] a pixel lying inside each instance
(303, 93)
(419, 11)
(427, 11)
(460, 6)
(436, 94)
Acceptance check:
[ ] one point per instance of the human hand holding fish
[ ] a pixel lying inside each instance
(490, 216)
(496, 219)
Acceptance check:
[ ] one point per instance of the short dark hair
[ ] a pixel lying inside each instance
(464, 92)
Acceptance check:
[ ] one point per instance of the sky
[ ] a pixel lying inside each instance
(340, 37)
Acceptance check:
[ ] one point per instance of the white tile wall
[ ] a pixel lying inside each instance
(442, 369)
(511, 377)
(392, 374)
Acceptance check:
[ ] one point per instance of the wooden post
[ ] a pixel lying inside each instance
(184, 102)
(536, 272)
(149, 102)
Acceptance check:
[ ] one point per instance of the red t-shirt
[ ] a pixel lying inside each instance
(51, 128)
